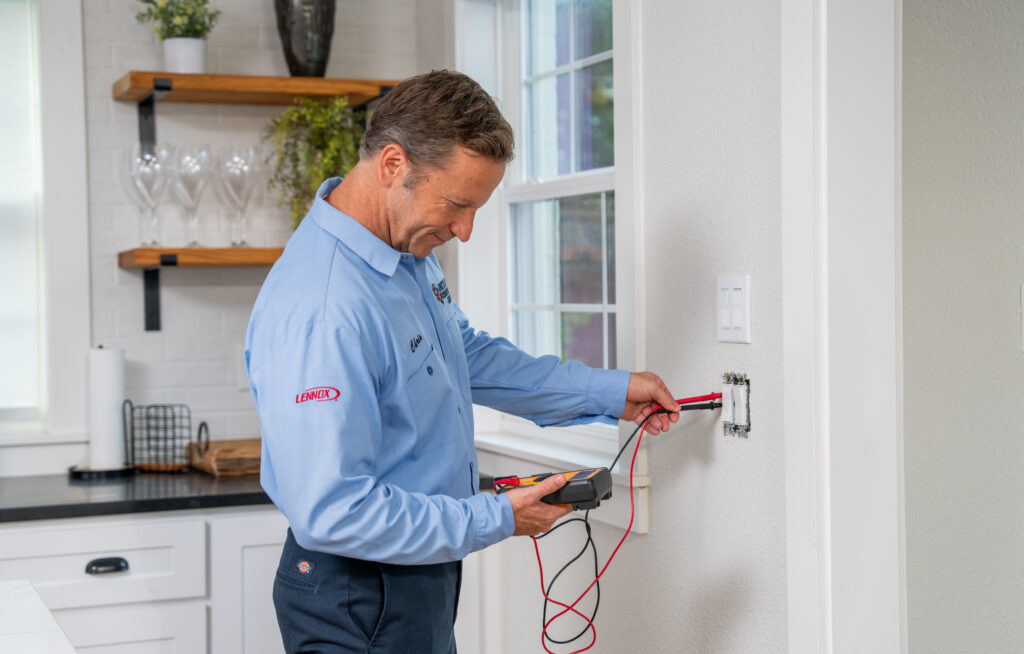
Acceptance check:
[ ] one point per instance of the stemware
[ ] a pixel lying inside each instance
(191, 174)
(238, 170)
(148, 172)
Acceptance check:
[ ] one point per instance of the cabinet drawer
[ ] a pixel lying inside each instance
(165, 628)
(166, 560)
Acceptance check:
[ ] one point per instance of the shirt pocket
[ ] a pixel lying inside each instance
(459, 364)
(432, 405)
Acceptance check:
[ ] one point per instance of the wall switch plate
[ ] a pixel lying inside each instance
(736, 404)
(733, 293)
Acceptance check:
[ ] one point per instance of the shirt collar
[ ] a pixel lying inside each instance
(375, 252)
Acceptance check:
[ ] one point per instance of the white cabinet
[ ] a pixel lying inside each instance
(161, 602)
(244, 553)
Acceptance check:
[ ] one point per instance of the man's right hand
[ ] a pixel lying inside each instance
(532, 515)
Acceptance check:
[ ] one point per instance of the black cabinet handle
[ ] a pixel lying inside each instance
(106, 565)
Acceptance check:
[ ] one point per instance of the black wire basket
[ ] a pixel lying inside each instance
(157, 436)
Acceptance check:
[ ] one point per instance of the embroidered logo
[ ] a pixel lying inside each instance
(441, 292)
(415, 342)
(305, 567)
(318, 394)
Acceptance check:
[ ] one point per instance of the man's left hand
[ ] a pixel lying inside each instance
(645, 393)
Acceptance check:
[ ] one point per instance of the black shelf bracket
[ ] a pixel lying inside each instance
(151, 292)
(147, 113)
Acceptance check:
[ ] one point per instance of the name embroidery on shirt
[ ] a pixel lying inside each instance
(441, 292)
(415, 342)
(318, 394)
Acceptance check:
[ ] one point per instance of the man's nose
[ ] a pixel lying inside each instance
(463, 226)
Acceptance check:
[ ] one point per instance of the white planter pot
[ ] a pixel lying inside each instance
(185, 55)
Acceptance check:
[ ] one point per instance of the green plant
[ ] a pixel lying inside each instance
(173, 19)
(312, 141)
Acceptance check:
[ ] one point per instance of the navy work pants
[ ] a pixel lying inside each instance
(329, 604)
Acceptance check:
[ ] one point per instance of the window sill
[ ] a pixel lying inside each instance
(27, 435)
(508, 453)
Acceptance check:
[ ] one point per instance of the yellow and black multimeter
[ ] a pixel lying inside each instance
(584, 489)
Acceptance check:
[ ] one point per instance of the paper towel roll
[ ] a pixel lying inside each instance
(106, 394)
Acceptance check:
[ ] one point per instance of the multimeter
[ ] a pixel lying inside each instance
(584, 489)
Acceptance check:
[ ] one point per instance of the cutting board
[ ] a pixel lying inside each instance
(227, 458)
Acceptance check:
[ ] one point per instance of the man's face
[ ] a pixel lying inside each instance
(441, 203)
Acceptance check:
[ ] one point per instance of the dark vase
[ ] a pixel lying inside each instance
(306, 28)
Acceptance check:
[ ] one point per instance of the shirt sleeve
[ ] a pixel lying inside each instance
(320, 449)
(541, 389)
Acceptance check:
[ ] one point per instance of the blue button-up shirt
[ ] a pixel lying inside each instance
(364, 372)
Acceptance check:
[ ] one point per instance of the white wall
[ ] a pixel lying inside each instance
(196, 358)
(964, 369)
(711, 575)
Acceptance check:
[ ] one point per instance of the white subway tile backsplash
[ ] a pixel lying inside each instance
(195, 358)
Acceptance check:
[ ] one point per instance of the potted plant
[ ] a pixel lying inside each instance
(182, 25)
(312, 141)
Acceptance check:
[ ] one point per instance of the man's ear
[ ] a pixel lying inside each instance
(390, 164)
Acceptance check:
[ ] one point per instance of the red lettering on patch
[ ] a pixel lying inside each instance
(318, 394)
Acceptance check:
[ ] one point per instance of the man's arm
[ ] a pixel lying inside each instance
(552, 393)
(320, 456)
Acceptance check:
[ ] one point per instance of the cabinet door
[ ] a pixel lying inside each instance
(244, 553)
(156, 628)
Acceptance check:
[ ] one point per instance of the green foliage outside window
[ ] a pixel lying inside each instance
(174, 19)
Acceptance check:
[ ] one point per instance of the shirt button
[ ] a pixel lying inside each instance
(430, 370)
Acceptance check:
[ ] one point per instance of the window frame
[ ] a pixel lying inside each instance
(492, 54)
(64, 234)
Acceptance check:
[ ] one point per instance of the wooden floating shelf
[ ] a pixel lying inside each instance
(135, 86)
(142, 258)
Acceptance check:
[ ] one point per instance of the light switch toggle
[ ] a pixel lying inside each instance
(733, 308)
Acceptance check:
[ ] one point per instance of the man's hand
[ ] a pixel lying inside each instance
(646, 391)
(532, 515)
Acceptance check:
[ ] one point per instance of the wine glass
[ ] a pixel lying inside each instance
(191, 174)
(238, 170)
(148, 172)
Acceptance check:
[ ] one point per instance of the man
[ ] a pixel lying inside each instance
(364, 372)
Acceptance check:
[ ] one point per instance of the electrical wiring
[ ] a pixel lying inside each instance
(686, 404)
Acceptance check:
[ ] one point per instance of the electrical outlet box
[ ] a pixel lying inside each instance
(736, 404)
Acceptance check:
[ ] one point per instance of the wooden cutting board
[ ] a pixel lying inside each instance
(228, 457)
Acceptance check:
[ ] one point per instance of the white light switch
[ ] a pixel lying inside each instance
(733, 308)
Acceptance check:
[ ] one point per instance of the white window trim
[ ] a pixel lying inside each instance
(507, 444)
(64, 213)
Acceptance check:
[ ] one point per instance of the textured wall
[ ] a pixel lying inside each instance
(196, 358)
(710, 576)
(963, 189)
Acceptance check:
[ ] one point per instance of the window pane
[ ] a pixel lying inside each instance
(595, 146)
(534, 253)
(593, 27)
(583, 338)
(609, 219)
(580, 251)
(612, 350)
(568, 335)
(549, 37)
(549, 128)
(19, 185)
(559, 254)
(537, 332)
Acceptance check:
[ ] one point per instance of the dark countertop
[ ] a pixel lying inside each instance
(56, 496)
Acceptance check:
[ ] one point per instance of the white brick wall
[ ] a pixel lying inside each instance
(196, 358)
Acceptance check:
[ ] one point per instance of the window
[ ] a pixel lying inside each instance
(44, 235)
(20, 324)
(562, 263)
(551, 263)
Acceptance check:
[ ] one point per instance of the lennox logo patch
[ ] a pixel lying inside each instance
(318, 394)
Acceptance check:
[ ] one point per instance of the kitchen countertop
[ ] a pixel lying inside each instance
(56, 496)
